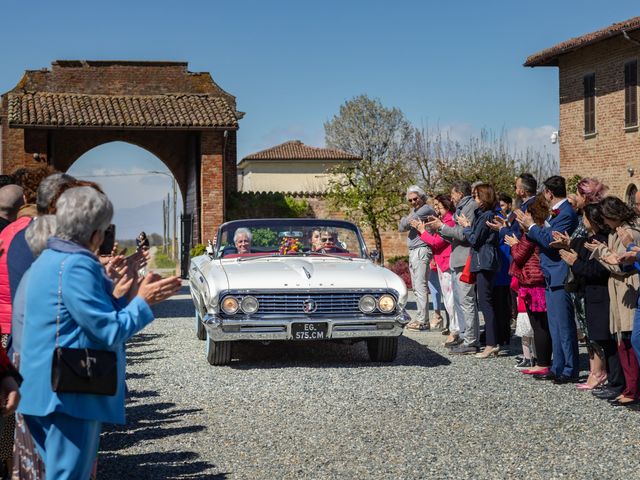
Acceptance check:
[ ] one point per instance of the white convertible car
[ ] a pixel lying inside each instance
(295, 279)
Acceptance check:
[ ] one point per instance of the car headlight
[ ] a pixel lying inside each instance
(367, 304)
(229, 305)
(386, 303)
(249, 305)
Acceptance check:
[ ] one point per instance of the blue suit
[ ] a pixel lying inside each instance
(562, 327)
(513, 228)
(68, 424)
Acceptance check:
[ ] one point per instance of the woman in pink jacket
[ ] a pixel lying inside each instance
(441, 252)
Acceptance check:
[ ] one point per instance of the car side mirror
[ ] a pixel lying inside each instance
(374, 255)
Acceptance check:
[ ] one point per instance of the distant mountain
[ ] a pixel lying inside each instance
(131, 221)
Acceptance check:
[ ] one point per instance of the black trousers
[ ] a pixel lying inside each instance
(541, 337)
(615, 375)
(502, 310)
(484, 292)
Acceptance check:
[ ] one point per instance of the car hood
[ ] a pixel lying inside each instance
(296, 273)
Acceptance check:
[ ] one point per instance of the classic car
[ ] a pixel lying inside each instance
(294, 279)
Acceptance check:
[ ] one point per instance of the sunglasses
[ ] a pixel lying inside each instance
(326, 239)
(412, 200)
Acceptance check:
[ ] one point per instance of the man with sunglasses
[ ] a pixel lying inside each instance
(420, 255)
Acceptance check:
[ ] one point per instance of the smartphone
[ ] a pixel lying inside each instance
(109, 239)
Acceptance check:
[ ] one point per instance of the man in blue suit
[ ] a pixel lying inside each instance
(564, 342)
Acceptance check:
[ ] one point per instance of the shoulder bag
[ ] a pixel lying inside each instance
(82, 370)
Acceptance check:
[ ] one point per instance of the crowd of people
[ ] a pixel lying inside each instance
(560, 269)
(63, 371)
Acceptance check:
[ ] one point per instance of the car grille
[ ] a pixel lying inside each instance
(326, 303)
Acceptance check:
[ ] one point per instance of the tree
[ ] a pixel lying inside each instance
(371, 190)
(438, 161)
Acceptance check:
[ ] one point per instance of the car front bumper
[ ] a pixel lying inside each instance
(274, 327)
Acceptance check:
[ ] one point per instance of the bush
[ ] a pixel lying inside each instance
(265, 205)
(198, 250)
(394, 260)
(401, 268)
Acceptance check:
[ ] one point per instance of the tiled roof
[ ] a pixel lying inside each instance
(296, 150)
(131, 111)
(549, 56)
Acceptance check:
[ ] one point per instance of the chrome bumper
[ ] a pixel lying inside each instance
(273, 327)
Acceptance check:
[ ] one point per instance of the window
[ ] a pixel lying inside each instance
(631, 93)
(590, 104)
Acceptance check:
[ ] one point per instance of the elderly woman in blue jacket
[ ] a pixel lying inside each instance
(66, 426)
(484, 260)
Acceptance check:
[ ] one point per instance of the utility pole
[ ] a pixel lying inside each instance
(175, 219)
(164, 226)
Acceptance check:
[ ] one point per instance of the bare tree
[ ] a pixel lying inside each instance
(370, 191)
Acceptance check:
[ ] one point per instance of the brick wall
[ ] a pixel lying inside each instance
(211, 184)
(613, 149)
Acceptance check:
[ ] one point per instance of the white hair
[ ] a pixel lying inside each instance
(81, 211)
(418, 191)
(242, 231)
(38, 232)
(49, 188)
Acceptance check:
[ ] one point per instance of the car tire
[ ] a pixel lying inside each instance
(218, 353)
(201, 332)
(382, 349)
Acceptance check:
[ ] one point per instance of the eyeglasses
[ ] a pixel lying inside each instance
(326, 239)
(412, 200)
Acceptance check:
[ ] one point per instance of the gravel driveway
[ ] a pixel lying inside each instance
(324, 411)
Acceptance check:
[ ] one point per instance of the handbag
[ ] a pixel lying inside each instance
(466, 276)
(82, 370)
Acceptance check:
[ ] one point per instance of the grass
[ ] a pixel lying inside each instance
(162, 260)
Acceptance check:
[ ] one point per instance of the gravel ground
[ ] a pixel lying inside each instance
(324, 411)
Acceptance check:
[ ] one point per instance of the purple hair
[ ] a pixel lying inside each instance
(592, 189)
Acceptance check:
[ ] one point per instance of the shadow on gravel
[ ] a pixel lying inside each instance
(142, 338)
(147, 422)
(253, 355)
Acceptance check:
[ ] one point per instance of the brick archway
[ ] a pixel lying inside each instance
(183, 118)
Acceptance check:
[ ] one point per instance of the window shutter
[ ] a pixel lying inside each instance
(631, 93)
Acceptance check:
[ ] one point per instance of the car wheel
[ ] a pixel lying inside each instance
(218, 353)
(382, 349)
(201, 332)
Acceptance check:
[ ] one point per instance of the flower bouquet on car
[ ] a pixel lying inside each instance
(290, 246)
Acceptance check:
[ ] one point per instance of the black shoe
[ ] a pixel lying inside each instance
(618, 403)
(454, 343)
(524, 363)
(563, 379)
(606, 393)
(519, 358)
(463, 350)
(445, 331)
(545, 376)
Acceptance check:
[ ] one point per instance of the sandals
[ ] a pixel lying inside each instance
(416, 326)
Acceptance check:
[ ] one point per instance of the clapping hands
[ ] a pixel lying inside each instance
(463, 221)
(560, 240)
(497, 223)
(624, 234)
(524, 219)
(511, 240)
(569, 256)
(417, 224)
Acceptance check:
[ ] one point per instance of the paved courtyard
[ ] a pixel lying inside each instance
(324, 411)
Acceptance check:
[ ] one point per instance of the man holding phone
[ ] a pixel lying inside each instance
(420, 255)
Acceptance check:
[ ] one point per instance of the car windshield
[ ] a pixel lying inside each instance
(308, 237)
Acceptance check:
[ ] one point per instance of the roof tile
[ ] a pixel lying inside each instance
(296, 150)
(76, 110)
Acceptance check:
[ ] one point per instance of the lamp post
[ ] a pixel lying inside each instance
(174, 240)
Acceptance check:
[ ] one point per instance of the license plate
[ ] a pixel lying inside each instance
(309, 331)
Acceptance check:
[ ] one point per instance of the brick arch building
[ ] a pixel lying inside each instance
(598, 86)
(185, 119)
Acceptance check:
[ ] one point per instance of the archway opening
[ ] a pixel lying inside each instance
(630, 196)
(145, 194)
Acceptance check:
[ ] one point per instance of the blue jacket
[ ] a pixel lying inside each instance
(484, 242)
(513, 228)
(89, 318)
(553, 268)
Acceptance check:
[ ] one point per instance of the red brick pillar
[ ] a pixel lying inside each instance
(211, 184)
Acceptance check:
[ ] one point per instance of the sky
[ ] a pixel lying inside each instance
(453, 65)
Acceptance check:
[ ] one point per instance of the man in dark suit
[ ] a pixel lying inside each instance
(563, 218)
(526, 188)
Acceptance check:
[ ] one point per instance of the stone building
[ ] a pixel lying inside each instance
(290, 167)
(599, 134)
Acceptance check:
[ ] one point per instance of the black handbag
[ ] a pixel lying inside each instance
(82, 370)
